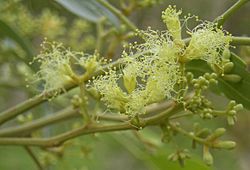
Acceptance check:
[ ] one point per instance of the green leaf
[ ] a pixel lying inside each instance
(89, 9)
(240, 91)
(7, 31)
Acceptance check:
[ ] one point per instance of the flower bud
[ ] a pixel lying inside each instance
(171, 18)
(233, 78)
(238, 107)
(129, 82)
(224, 144)
(207, 156)
(76, 101)
(230, 120)
(226, 54)
(217, 133)
(228, 67)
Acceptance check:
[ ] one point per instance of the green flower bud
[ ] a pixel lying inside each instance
(76, 101)
(94, 93)
(228, 67)
(226, 54)
(238, 107)
(203, 132)
(232, 103)
(217, 133)
(171, 18)
(233, 78)
(207, 156)
(129, 82)
(232, 112)
(224, 145)
(230, 120)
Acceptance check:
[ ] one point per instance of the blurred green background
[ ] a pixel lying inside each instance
(35, 19)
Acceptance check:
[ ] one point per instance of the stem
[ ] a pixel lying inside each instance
(59, 139)
(32, 155)
(83, 105)
(119, 14)
(99, 28)
(30, 103)
(68, 113)
(39, 123)
(241, 41)
(227, 14)
(180, 116)
(182, 131)
(235, 40)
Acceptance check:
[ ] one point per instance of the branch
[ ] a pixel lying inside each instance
(190, 135)
(39, 123)
(119, 14)
(235, 40)
(59, 139)
(30, 103)
(222, 18)
(241, 41)
(68, 113)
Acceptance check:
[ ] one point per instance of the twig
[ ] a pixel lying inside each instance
(68, 113)
(119, 14)
(30, 103)
(241, 41)
(59, 139)
(182, 131)
(39, 123)
(180, 116)
(222, 18)
(235, 40)
(32, 155)
(26, 105)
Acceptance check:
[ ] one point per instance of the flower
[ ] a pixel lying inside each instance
(207, 43)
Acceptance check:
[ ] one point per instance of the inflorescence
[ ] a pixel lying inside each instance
(150, 72)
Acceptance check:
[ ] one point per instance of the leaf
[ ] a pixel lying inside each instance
(240, 91)
(7, 31)
(89, 9)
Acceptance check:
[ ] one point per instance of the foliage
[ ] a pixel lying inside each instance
(126, 79)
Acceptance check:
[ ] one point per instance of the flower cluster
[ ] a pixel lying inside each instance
(57, 65)
(150, 74)
(155, 69)
(207, 43)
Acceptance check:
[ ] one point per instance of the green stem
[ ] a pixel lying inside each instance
(226, 15)
(83, 105)
(119, 14)
(190, 135)
(27, 128)
(100, 32)
(33, 156)
(30, 103)
(235, 41)
(69, 113)
(180, 116)
(240, 41)
(59, 139)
